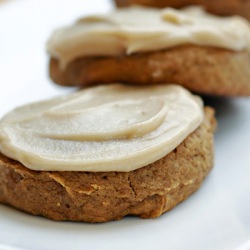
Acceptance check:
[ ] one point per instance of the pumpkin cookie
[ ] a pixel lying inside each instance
(218, 7)
(142, 162)
(204, 53)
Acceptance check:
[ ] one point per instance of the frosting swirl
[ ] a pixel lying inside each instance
(106, 128)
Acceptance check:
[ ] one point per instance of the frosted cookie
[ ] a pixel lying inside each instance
(219, 7)
(201, 52)
(106, 152)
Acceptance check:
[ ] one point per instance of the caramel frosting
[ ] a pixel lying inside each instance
(105, 128)
(139, 29)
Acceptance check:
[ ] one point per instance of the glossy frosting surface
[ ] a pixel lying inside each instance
(106, 128)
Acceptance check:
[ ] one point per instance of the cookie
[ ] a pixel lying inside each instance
(219, 7)
(104, 196)
(204, 53)
(106, 152)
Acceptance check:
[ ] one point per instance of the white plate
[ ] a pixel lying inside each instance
(215, 217)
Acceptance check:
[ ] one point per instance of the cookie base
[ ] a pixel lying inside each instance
(204, 70)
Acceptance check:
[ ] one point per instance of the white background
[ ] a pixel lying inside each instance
(216, 217)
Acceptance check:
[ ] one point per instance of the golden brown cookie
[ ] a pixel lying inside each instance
(204, 70)
(98, 197)
(219, 7)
